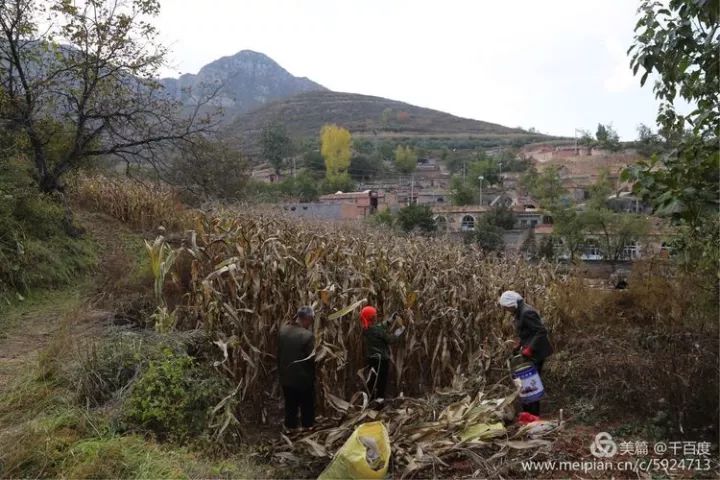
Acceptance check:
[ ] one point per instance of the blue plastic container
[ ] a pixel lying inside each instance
(531, 387)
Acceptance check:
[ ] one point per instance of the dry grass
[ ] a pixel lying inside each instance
(650, 351)
(142, 205)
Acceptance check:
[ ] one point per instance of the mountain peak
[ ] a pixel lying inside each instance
(249, 80)
(242, 56)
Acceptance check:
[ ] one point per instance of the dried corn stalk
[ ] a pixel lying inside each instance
(250, 272)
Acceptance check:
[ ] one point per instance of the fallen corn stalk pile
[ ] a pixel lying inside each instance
(440, 434)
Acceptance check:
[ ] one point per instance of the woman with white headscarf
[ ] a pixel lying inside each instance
(534, 343)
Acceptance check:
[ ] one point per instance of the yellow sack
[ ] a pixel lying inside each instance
(365, 454)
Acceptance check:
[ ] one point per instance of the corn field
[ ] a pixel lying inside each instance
(247, 274)
(239, 275)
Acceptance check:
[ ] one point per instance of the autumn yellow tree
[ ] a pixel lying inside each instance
(336, 144)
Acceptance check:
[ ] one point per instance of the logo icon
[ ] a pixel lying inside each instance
(603, 446)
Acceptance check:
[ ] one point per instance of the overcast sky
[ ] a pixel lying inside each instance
(555, 65)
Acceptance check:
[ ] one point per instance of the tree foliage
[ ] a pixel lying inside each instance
(276, 145)
(500, 216)
(611, 231)
(313, 161)
(462, 192)
(607, 137)
(545, 187)
(614, 231)
(489, 237)
(85, 87)
(335, 147)
(405, 159)
(679, 41)
(416, 217)
(365, 166)
(648, 142)
(510, 160)
(209, 170)
(486, 167)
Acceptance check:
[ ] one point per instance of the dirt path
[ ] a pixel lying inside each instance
(28, 328)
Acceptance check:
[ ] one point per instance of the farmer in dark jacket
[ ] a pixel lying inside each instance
(534, 343)
(296, 365)
(377, 350)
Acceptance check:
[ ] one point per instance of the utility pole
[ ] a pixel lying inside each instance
(481, 178)
(412, 188)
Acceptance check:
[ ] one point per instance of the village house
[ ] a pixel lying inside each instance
(455, 218)
(339, 206)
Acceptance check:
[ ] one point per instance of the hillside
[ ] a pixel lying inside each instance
(249, 79)
(304, 114)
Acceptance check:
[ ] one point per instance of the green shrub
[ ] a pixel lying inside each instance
(107, 369)
(35, 248)
(174, 397)
(418, 217)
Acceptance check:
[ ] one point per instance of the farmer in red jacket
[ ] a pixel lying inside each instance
(377, 350)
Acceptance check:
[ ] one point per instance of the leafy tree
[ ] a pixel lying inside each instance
(648, 143)
(489, 230)
(405, 159)
(607, 137)
(569, 227)
(444, 154)
(338, 183)
(210, 169)
(454, 163)
(314, 163)
(462, 193)
(387, 151)
(510, 160)
(364, 146)
(600, 191)
(93, 94)
(586, 138)
(385, 217)
(572, 225)
(546, 187)
(602, 133)
(335, 147)
(276, 145)
(500, 217)
(678, 41)
(489, 237)
(365, 166)
(529, 179)
(485, 167)
(303, 187)
(614, 231)
(416, 217)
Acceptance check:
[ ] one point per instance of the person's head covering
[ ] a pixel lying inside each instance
(510, 299)
(305, 312)
(367, 316)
